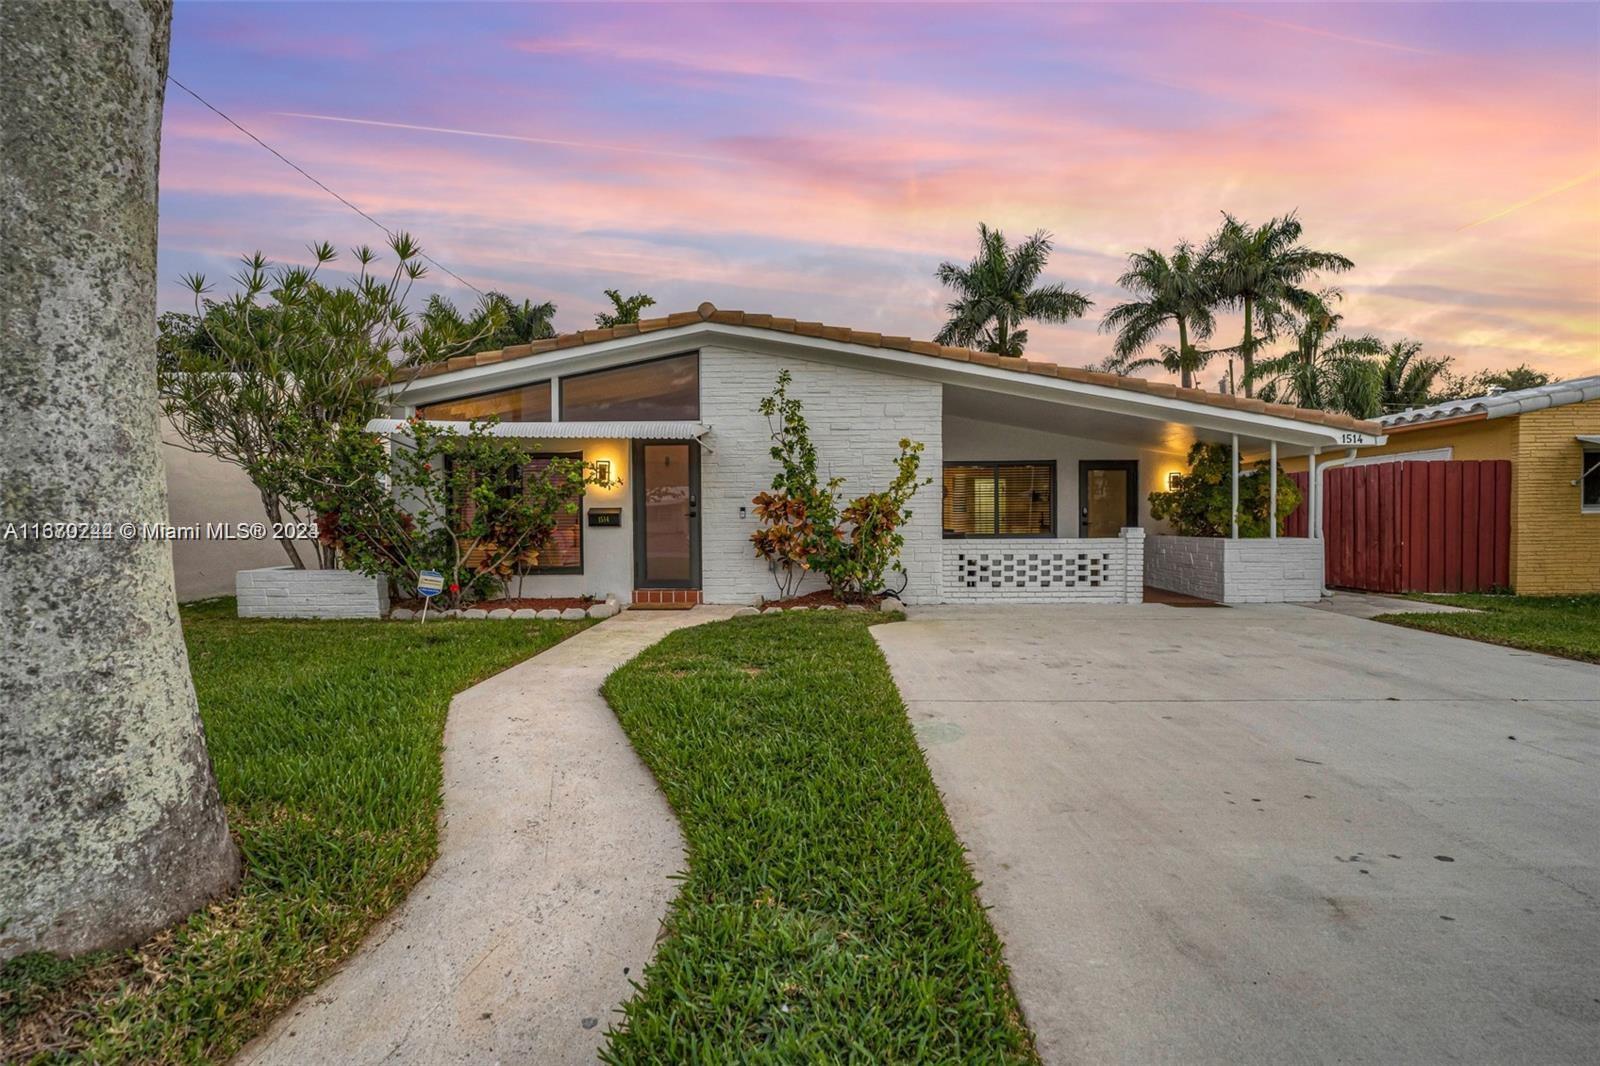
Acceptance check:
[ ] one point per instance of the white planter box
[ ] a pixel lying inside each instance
(284, 592)
(1256, 570)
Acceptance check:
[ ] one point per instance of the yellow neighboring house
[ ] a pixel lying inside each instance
(1551, 434)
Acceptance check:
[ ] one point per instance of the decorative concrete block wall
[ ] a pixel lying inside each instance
(1031, 570)
(284, 592)
(857, 418)
(1255, 570)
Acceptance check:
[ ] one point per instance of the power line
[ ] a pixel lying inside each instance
(303, 173)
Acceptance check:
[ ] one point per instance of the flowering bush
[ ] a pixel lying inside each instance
(1202, 502)
(472, 506)
(804, 529)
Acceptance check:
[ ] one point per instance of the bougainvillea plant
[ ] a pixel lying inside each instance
(1201, 502)
(473, 506)
(803, 527)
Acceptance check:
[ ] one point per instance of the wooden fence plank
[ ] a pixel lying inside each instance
(1470, 509)
(1436, 520)
(1452, 527)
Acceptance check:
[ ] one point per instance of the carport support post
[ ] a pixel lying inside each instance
(1314, 506)
(1272, 494)
(1234, 510)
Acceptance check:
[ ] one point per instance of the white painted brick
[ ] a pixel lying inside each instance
(1255, 570)
(283, 592)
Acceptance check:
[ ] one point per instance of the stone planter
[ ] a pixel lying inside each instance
(284, 592)
(1254, 570)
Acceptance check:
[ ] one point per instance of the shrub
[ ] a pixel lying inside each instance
(1200, 505)
(804, 528)
(475, 507)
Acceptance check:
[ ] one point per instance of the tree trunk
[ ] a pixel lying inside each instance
(1185, 376)
(269, 504)
(1247, 350)
(112, 828)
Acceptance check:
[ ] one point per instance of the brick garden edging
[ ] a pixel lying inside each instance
(284, 592)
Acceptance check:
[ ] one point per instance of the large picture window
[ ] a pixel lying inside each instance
(1013, 499)
(663, 390)
(526, 403)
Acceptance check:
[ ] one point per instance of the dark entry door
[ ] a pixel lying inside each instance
(1108, 496)
(666, 508)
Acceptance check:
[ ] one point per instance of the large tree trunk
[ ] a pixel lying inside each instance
(1186, 376)
(1248, 349)
(110, 823)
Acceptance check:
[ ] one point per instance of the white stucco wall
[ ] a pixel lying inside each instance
(967, 439)
(857, 418)
(607, 553)
(202, 489)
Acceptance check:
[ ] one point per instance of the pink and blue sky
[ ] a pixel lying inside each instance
(819, 162)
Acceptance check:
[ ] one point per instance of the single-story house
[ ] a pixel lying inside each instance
(1551, 436)
(1041, 472)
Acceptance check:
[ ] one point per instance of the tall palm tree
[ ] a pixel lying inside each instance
(1262, 270)
(1332, 375)
(995, 294)
(1409, 378)
(1180, 290)
(114, 827)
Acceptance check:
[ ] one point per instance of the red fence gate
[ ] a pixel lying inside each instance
(1438, 526)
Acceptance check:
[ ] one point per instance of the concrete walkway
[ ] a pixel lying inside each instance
(548, 893)
(1372, 604)
(1270, 834)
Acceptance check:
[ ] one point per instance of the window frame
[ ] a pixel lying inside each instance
(1589, 467)
(995, 465)
(542, 571)
(549, 382)
(559, 401)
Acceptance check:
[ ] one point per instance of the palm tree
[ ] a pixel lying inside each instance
(1178, 290)
(1262, 270)
(114, 827)
(1409, 379)
(995, 294)
(1337, 375)
(496, 321)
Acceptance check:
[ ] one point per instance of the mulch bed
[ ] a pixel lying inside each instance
(532, 603)
(822, 598)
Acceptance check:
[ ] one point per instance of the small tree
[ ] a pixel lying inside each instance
(475, 507)
(805, 529)
(624, 311)
(268, 378)
(1202, 503)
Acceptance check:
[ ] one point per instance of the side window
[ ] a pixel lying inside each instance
(1591, 479)
(666, 390)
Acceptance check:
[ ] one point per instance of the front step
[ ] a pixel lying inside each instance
(665, 599)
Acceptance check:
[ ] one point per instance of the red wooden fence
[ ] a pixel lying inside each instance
(1438, 526)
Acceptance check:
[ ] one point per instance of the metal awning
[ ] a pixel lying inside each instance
(1589, 438)
(562, 430)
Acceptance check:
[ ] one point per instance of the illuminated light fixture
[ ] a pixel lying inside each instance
(602, 472)
(1172, 481)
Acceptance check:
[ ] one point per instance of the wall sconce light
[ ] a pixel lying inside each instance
(1172, 481)
(602, 473)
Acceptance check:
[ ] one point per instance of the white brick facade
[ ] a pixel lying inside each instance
(1252, 570)
(284, 592)
(857, 418)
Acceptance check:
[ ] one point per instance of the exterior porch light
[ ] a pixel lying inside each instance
(602, 472)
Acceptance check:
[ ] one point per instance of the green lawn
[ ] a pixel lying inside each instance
(326, 740)
(1568, 626)
(828, 914)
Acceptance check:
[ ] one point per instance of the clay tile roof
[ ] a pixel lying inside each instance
(708, 312)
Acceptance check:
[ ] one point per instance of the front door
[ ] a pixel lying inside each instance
(666, 512)
(1108, 496)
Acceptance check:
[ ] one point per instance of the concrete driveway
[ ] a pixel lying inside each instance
(1271, 834)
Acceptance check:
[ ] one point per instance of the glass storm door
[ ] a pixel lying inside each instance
(1108, 496)
(667, 516)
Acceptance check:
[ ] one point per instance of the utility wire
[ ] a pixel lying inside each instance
(303, 173)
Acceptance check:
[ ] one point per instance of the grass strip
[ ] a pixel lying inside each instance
(828, 913)
(326, 738)
(1568, 626)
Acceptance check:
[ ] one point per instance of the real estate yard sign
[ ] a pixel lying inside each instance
(429, 583)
